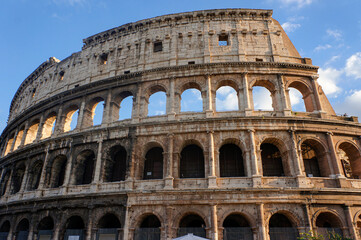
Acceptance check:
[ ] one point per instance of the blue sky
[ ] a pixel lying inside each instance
(328, 31)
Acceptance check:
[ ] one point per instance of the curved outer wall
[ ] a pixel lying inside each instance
(127, 61)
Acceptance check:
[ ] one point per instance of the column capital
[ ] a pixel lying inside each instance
(251, 130)
(330, 133)
(314, 77)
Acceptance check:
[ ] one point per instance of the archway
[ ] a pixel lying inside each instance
(153, 164)
(108, 227)
(226, 99)
(271, 160)
(192, 162)
(22, 230)
(57, 174)
(84, 169)
(191, 100)
(74, 228)
(17, 178)
(310, 161)
(192, 223)
(45, 228)
(231, 161)
(149, 229)
(4, 230)
(350, 159)
(281, 228)
(34, 175)
(236, 227)
(327, 224)
(116, 164)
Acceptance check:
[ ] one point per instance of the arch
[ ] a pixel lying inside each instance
(328, 223)
(306, 93)
(191, 100)
(350, 158)
(192, 162)
(22, 229)
(261, 89)
(4, 182)
(74, 228)
(115, 164)
(34, 175)
(125, 107)
(19, 137)
(227, 99)
(108, 227)
(71, 118)
(4, 229)
(280, 227)
(149, 228)
(297, 103)
(157, 103)
(96, 107)
(9, 144)
(231, 161)
(17, 178)
(235, 227)
(192, 223)
(153, 163)
(272, 164)
(314, 158)
(84, 167)
(57, 171)
(32, 132)
(48, 126)
(45, 228)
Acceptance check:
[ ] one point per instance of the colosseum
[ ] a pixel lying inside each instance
(242, 174)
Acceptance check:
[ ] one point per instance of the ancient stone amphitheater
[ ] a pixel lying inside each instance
(244, 174)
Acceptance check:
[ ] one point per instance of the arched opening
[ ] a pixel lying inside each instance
(280, 227)
(97, 112)
(236, 227)
(328, 223)
(4, 182)
(231, 161)
(57, 173)
(4, 230)
(350, 159)
(32, 132)
(296, 99)
(126, 107)
(271, 160)
(84, 167)
(191, 101)
(108, 227)
(45, 228)
(149, 229)
(19, 136)
(34, 175)
(153, 164)
(115, 165)
(17, 178)
(74, 228)
(310, 161)
(22, 230)
(71, 119)
(157, 104)
(262, 99)
(48, 126)
(192, 162)
(192, 223)
(9, 144)
(226, 99)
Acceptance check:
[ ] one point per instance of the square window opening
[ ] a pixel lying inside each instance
(191, 62)
(158, 47)
(223, 40)
(104, 58)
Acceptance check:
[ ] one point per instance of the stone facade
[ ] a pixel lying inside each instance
(263, 174)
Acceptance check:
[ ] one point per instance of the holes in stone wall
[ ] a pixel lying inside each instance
(45, 229)
(280, 227)
(191, 101)
(310, 161)
(158, 46)
(350, 159)
(153, 164)
(49, 126)
(296, 99)
(231, 161)
(97, 113)
(34, 175)
(271, 160)
(192, 223)
(223, 40)
(57, 171)
(115, 165)
(226, 99)
(71, 119)
(4, 182)
(235, 226)
(17, 178)
(31, 133)
(262, 99)
(126, 107)
(149, 228)
(22, 230)
(192, 162)
(19, 137)
(83, 171)
(157, 104)
(103, 58)
(61, 75)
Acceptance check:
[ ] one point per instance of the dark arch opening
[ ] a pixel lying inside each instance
(45, 228)
(236, 227)
(115, 168)
(280, 227)
(85, 167)
(192, 162)
(328, 223)
(17, 178)
(149, 228)
(310, 161)
(108, 227)
(350, 159)
(58, 171)
(153, 164)
(4, 230)
(192, 224)
(231, 161)
(74, 228)
(34, 175)
(22, 230)
(271, 160)
(4, 182)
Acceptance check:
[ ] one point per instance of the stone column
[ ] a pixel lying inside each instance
(98, 163)
(169, 224)
(171, 100)
(89, 230)
(256, 176)
(308, 218)
(59, 121)
(333, 162)
(350, 223)
(169, 174)
(214, 223)
(80, 124)
(128, 232)
(212, 178)
(209, 107)
(8, 184)
(25, 177)
(261, 222)
(108, 110)
(40, 128)
(43, 171)
(246, 96)
(294, 152)
(68, 169)
(15, 136)
(315, 86)
(284, 107)
(24, 134)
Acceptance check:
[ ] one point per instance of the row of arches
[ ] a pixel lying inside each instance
(235, 226)
(232, 162)
(192, 97)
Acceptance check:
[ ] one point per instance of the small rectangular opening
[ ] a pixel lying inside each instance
(158, 47)
(76, 85)
(191, 62)
(126, 72)
(223, 40)
(104, 58)
(259, 60)
(61, 75)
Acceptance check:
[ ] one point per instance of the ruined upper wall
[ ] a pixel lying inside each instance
(185, 38)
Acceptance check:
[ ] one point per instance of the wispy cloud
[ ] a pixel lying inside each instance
(335, 33)
(290, 27)
(353, 66)
(329, 78)
(332, 59)
(69, 2)
(297, 3)
(322, 47)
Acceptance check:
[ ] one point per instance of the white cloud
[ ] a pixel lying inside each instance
(298, 3)
(262, 99)
(226, 99)
(329, 79)
(337, 34)
(351, 105)
(297, 103)
(334, 58)
(322, 47)
(224, 90)
(69, 2)
(290, 27)
(353, 66)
